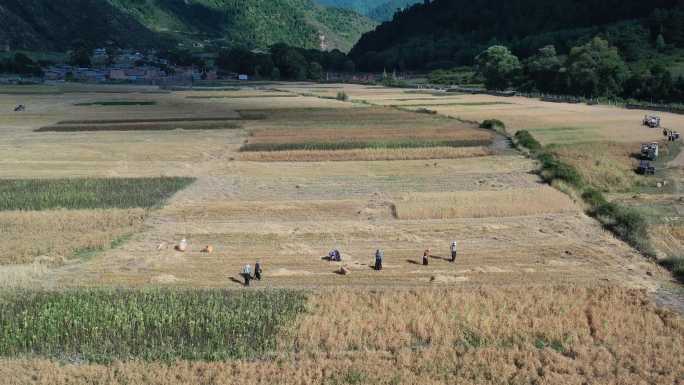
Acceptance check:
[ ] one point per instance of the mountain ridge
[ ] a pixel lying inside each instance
(62, 24)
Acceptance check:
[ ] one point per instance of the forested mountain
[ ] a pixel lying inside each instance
(380, 10)
(386, 10)
(60, 24)
(446, 33)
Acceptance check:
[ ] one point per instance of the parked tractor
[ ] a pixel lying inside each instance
(652, 121)
(649, 151)
(646, 168)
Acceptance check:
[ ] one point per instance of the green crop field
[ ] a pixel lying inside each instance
(46, 194)
(103, 325)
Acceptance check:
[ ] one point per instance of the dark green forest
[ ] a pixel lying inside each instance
(447, 33)
(585, 48)
(59, 25)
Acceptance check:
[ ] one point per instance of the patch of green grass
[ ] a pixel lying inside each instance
(88, 193)
(88, 253)
(675, 265)
(542, 343)
(102, 325)
(351, 377)
(118, 103)
(353, 145)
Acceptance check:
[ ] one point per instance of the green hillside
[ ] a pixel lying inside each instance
(380, 10)
(447, 33)
(60, 24)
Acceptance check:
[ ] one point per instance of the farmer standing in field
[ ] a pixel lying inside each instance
(257, 271)
(453, 251)
(426, 254)
(247, 273)
(378, 259)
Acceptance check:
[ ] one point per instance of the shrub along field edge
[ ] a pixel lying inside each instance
(626, 223)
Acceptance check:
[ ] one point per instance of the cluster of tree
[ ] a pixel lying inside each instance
(449, 33)
(284, 62)
(183, 58)
(593, 69)
(20, 64)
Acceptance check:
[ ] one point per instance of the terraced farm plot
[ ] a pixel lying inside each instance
(55, 236)
(539, 291)
(366, 128)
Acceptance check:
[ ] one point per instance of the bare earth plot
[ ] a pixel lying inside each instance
(540, 293)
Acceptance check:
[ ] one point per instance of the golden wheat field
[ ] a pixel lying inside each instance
(540, 293)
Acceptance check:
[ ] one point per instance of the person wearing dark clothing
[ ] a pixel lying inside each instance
(425, 258)
(257, 271)
(378, 259)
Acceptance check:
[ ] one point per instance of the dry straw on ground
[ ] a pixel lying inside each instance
(481, 204)
(27, 235)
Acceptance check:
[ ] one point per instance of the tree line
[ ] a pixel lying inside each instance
(593, 69)
(284, 62)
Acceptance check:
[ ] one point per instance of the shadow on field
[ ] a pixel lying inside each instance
(235, 280)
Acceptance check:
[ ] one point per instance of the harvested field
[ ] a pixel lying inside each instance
(368, 154)
(54, 236)
(481, 204)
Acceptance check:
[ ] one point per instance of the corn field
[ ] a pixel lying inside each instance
(87, 193)
(102, 325)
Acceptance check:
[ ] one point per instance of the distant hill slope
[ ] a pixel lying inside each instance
(379, 10)
(55, 24)
(450, 32)
(58, 24)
